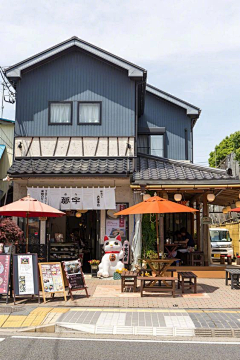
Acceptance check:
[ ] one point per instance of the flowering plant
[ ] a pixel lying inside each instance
(94, 262)
(120, 271)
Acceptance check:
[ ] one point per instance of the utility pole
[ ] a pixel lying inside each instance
(2, 107)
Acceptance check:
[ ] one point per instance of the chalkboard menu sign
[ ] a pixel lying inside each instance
(126, 249)
(74, 276)
(5, 261)
(25, 275)
(52, 279)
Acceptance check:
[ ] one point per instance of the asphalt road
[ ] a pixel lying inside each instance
(53, 348)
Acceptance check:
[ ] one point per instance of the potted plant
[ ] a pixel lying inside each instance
(94, 267)
(117, 274)
(10, 233)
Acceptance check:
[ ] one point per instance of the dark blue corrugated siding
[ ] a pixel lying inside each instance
(161, 113)
(76, 76)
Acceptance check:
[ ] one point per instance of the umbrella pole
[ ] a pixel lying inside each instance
(157, 232)
(27, 235)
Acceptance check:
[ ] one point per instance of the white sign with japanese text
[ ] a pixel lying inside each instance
(76, 198)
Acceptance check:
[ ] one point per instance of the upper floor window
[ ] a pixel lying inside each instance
(60, 113)
(151, 144)
(89, 113)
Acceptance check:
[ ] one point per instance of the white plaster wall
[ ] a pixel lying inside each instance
(75, 146)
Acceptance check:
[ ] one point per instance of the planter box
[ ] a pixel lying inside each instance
(116, 276)
(94, 270)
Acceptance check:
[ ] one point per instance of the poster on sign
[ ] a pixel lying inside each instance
(52, 279)
(74, 276)
(5, 261)
(117, 225)
(25, 275)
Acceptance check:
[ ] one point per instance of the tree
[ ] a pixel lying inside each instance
(225, 147)
(10, 232)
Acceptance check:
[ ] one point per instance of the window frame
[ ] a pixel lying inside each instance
(89, 102)
(149, 134)
(49, 112)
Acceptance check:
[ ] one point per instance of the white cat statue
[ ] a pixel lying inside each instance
(111, 260)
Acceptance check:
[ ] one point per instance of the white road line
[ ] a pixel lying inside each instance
(1, 339)
(129, 340)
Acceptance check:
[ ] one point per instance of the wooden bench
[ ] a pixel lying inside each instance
(129, 280)
(191, 280)
(148, 284)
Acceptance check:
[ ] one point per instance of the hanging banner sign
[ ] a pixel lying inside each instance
(76, 198)
(126, 250)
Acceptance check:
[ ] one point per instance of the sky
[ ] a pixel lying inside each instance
(190, 48)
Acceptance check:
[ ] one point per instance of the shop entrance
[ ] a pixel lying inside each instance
(77, 235)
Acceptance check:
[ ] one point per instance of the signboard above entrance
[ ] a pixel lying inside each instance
(75, 198)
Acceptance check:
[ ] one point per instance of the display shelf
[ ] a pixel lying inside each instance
(71, 251)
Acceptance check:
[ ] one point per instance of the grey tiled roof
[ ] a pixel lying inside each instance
(118, 166)
(154, 168)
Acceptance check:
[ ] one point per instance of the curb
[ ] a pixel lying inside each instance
(42, 329)
(147, 331)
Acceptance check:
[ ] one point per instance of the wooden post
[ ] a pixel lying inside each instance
(192, 220)
(198, 226)
(157, 233)
(161, 223)
(27, 234)
(205, 231)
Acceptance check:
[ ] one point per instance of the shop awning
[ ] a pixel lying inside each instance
(69, 167)
(155, 170)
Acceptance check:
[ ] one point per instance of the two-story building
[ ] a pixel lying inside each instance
(6, 158)
(91, 136)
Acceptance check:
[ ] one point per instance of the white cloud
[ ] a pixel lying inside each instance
(190, 48)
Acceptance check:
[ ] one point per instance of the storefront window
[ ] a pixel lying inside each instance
(33, 229)
(117, 225)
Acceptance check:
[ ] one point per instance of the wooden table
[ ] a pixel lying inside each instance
(171, 248)
(162, 266)
(147, 281)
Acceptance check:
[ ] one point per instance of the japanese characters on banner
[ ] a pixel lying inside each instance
(4, 273)
(76, 198)
(25, 275)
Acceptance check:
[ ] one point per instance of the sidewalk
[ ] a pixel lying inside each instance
(211, 294)
(150, 322)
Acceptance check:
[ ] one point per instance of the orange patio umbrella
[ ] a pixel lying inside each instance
(156, 205)
(237, 210)
(28, 207)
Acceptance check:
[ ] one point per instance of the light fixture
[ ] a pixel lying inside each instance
(78, 214)
(224, 210)
(228, 208)
(146, 197)
(237, 203)
(210, 197)
(178, 197)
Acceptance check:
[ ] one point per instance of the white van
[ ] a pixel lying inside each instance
(221, 243)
